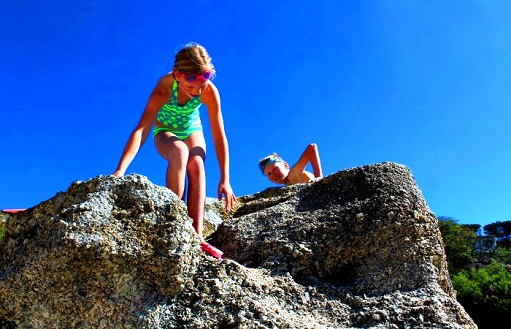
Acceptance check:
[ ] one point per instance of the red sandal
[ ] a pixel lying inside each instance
(12, 211)
(210, 250)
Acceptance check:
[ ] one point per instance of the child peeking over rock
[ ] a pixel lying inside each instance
(277, 170)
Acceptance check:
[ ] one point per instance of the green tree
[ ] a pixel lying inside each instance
(459, 243)
(503, 255)
(485, 293)
(501, 231)
(474, 227)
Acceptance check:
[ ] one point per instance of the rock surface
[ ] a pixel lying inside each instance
(358, 249)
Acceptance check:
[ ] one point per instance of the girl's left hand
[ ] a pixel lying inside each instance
(230, 199)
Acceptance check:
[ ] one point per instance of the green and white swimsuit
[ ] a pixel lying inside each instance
(179, 120)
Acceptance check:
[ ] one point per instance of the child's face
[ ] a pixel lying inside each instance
(191, 89)
(277, 172)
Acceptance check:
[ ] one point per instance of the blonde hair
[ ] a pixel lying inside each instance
(193, 59)
(272, 158)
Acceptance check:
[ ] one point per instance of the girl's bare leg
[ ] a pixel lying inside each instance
(195, 169)
(175, 151)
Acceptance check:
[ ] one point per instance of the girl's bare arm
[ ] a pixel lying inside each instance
(159, 96)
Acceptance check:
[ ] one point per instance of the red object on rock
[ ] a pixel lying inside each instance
(12, 211)
(210, 250)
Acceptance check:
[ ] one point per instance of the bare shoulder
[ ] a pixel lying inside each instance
(210, 96)
(211, 89)
(163, 87)
(167, 80)
(297, 175)
(161, 93)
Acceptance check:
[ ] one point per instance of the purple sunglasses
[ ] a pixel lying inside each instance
(206, 75)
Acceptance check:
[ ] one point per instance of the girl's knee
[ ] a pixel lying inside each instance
(195, 165)
(170, 147)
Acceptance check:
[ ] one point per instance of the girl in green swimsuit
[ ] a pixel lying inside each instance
(173, 108)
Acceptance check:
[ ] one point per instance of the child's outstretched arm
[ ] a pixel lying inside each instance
(314, 160)
(159, 96)
(211, 98)
(311, 155)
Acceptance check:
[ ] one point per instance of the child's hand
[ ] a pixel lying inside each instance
(230, 199)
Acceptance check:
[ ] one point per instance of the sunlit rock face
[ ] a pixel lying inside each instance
(358, 249)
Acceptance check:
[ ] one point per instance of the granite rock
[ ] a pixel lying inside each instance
(358, 249)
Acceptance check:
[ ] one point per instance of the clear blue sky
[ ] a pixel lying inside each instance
(426, 84)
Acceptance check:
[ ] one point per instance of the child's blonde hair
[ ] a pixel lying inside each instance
(272, 158)
(193, 59)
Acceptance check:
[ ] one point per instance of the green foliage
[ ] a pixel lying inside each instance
(485, 292)
(465, 287)
(2, 230)
(473, 227)
(500, 230)
(459, 243)
(502, 255)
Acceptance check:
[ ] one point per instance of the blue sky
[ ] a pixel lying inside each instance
(426, 84)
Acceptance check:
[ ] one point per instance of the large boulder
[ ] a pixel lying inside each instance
(358, 249)
(365, 230)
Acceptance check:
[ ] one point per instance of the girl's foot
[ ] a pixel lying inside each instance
(210, 250)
